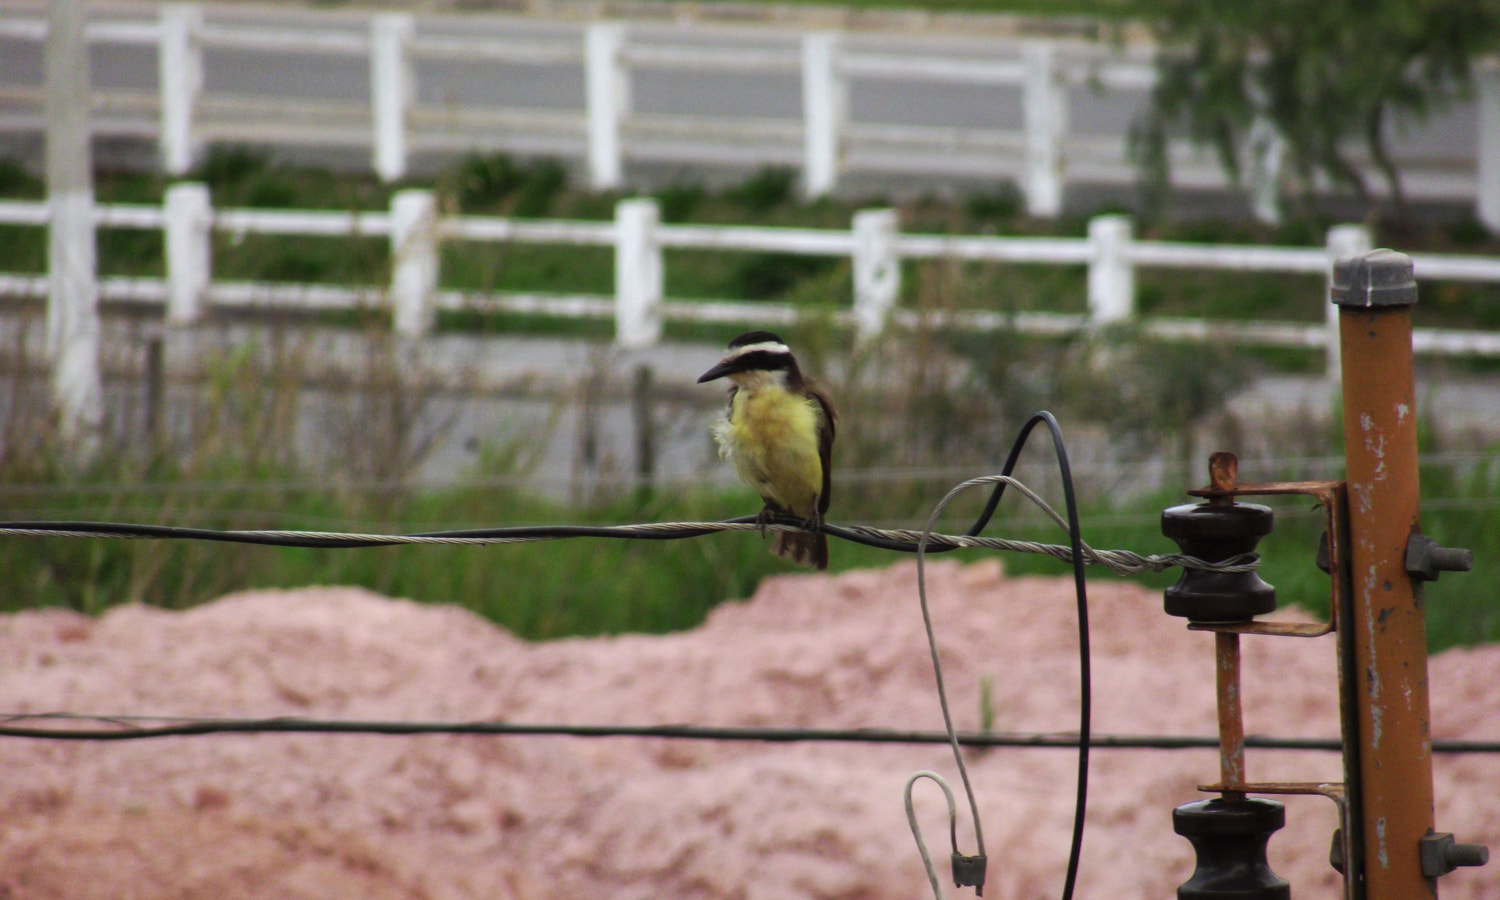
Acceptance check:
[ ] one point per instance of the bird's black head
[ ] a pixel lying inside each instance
(753, 351)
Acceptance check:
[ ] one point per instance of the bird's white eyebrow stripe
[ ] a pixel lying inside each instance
(766, 347)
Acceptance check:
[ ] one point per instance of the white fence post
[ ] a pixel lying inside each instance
(1266, 154)
(73, 301)
(877, 271)
(1045, 108)
(179, 63)
(824, 108)
(1487, 74)
(392, 84)
(607, 98)
(1111, 273)
(1342, 240)
(189, 251)
(414, 262)
(638, 274)
(1045, 102)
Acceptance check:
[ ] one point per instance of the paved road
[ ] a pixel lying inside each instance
(731, 96)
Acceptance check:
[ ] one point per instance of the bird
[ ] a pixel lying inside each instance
(778, 431)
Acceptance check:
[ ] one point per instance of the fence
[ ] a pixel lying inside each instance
(1041, 152)
(1110, 253)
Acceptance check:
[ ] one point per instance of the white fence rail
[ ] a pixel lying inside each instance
(1110, 254)
(1041, 152)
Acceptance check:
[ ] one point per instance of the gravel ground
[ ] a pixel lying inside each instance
(530, 818)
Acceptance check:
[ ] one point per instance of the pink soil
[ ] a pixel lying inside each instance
(525, 817)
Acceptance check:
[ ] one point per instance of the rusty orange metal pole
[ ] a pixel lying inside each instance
(1231, 716)
(1375, 294)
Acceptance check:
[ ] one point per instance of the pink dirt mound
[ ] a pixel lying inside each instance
(531, 818)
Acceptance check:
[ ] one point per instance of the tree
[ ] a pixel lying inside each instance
(1319, 78)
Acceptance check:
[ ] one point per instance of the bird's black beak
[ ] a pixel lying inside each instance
(719, 371)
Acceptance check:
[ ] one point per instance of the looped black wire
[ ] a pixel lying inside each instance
(1085, 677)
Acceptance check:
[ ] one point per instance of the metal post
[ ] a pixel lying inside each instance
(643, 411)
(73, 301)
(824, 106)
(1374, 294)
(1231, 715)
(877, 271)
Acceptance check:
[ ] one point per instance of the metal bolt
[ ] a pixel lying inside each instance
(1441, 854)
(1425, 559)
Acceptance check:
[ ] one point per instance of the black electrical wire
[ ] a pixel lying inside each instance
(114, 728)
(1085, 676)
(1120, 562)
(316, 540)
(524, 532)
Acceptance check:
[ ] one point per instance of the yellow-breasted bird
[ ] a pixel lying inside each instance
(778, 431)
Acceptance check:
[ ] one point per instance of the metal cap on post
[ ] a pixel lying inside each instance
(1379, 278)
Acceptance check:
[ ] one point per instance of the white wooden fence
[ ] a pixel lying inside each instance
(1042, 155)
(1110, 254)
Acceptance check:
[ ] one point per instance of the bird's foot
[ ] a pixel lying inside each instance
(813, 523)
(764, 518)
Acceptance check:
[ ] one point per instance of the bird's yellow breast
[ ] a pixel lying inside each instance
(771, 435)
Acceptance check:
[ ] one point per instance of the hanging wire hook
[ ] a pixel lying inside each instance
(959, 878)
(970, 871)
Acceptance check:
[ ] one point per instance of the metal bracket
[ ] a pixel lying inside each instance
(1331, 496)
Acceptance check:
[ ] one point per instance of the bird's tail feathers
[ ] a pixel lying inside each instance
(801, 547)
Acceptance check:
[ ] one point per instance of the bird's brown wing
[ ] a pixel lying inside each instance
(825, 444)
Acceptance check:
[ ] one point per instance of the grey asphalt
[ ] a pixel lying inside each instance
(1447, 135)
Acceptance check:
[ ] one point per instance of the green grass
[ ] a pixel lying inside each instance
(590, 586)
(1108, 9)
(583, 586)
(596, 586)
